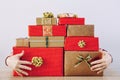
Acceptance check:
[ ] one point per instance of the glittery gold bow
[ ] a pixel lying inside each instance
(62, 15)
(81, 59)
(37, 61)
(81, 43)
(48, 15)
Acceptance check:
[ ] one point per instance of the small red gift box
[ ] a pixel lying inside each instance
(81, 43)
(80, 21)
(39, 30)
(50, 60)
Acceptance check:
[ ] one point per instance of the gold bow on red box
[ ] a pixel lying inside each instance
(37, 61)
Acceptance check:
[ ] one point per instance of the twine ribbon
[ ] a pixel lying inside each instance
(81, 59)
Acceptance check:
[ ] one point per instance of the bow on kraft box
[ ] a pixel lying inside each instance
(77, 63)
(47, 19)
(45, 61)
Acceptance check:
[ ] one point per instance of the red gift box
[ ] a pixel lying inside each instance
(82, 43)
(52, 61)
(39, 30)
(80, 21)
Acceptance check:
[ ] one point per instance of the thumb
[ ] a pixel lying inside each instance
(102, 53)
(20, 54)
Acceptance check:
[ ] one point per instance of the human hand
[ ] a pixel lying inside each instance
(18, 65)
(101, 64)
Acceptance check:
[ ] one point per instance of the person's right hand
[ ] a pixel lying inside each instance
(18, 65)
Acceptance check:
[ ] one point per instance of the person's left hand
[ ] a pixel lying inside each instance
(100, 65)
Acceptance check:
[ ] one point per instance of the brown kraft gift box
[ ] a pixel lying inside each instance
(22, 42)
(77, 63)
(47, 41)
(46, 21)
(80, 30)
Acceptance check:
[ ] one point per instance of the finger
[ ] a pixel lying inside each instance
(99, 71)
(25, 62)
(19, 74)
(103, 52)
(97, 66)
(97, 62)
(21, 71)
(20, 54)
(24, 67)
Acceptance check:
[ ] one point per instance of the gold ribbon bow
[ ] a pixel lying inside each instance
(48, 15)
(81, 59)
(81, 43)
(37, 61)
(63, 15)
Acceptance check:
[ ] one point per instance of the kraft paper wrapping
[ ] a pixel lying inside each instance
(22, 42)
(46, 21)
(80, 30)
(82, 69)
(46, 41)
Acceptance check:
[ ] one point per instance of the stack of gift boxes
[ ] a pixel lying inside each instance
(62, 46)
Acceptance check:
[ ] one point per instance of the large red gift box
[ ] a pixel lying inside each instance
(52, 60)
(69, 20)
(81, 43)
(54, 30)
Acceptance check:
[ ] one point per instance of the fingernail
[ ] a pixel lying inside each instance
(26, 74)
(92, 70)
(30, 68)
(97, 72)
(91, 63)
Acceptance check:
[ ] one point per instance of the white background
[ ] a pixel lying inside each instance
(16, 15)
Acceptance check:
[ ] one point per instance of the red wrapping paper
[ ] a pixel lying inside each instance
(52, 61)
(80, 21)
(73, 43)
(37, 30)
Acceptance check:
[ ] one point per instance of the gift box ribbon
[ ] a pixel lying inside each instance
(47, 41)
(81, 59)
(48, 15)
(47, 30)
(46, 21)
(37, 61)
(63, 15)
(46, 38)
(81, 44)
